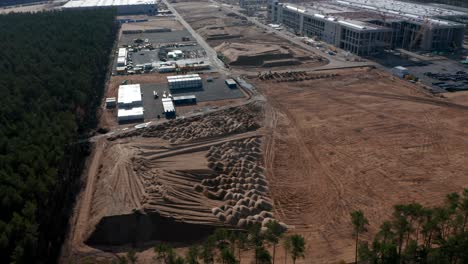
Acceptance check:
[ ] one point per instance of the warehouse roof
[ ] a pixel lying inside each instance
(136, 112)
(168, 105)
(129, 93)
(96, 3)
(403, 7)
(122, 52)
(182, 76)
(230, 81)
(184, 97)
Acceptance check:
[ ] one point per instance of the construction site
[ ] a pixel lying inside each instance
(273, 129)
(239, 43)
(367, 28)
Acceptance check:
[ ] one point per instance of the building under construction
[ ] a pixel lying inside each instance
(253, 4)
(368, 27)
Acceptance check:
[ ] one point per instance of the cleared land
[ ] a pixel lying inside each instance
(359, 140)
(242, 44)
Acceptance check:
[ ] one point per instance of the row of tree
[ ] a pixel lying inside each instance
(226, 247)
(418, 234)
(53, 67)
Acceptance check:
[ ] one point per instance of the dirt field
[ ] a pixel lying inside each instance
(360, 140)
(241, 43)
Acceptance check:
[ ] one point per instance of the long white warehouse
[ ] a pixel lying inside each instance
(129, 96)
(124, 7)
(130, 115)
(184, 81)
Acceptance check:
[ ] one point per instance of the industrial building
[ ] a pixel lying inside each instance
(123, 7)
(369, 27)
(253, 4)
(168, 107)
(111, 102)
(184, 81)
(184, 99)
(130, 115)
(129, 96)
(231, 83)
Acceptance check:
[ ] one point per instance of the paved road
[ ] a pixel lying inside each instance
(211, 53)
(335, 63)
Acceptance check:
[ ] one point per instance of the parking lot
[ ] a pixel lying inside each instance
(442, 75)
(152, 56)
(211, 91)
(156, 38)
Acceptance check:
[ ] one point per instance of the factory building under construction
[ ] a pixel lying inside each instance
(368, 27)
(123, 7)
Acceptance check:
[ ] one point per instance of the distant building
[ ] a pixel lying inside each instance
(168, 107)
(124, 7)
(253, 4)
(400, 71)
(129, 96)
(368, 27)
(184, 81)
(111, 102)
(231, 83)
(130, 115)
(184, 99)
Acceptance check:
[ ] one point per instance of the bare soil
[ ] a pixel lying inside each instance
(360, 140)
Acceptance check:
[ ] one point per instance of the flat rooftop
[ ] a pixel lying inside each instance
(404, 7)
(323, 11)
(409, 11)
(99, 3)
(355, 13)
(129, 94)
(132, 112)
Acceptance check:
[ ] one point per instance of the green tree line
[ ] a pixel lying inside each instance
(418, 234)
(52, 72)
(227, 246)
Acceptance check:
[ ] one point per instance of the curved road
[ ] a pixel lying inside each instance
(212, 55)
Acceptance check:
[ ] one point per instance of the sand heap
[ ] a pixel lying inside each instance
(224, 122)
(244, 54)
(240, 183)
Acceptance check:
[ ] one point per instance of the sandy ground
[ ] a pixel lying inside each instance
(362, 140)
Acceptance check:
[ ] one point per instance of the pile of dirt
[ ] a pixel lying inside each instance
(240, 183)
(224, 122)
(243, 54)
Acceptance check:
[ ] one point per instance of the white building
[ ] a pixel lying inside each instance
(400, 71)
(169, 109)
(122, 53)
(123, 6)
(128, 115)
(129, 96)
(184, 81)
